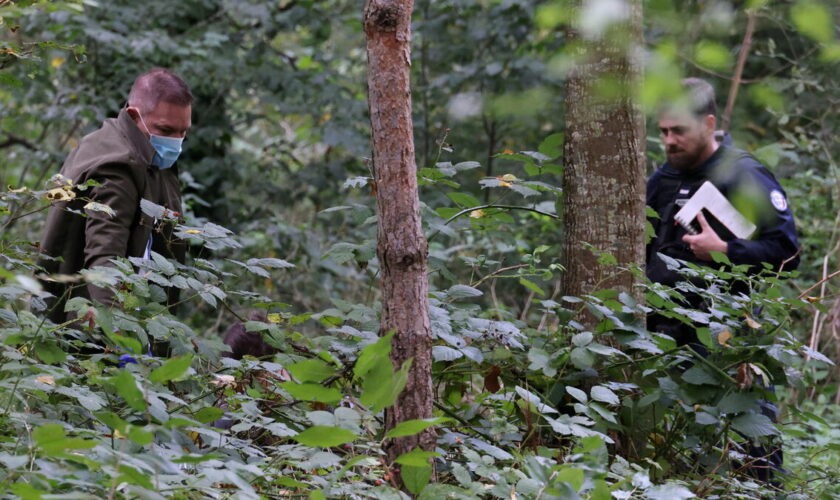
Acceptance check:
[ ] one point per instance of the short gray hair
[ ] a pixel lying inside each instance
(701, 96)
(159, 85)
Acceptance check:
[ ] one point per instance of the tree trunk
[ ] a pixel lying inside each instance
(401, 247)
(604, 176)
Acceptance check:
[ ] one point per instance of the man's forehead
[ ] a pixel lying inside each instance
(676, 118)
(166, 112)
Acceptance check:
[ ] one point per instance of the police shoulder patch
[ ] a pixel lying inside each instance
(778, 200)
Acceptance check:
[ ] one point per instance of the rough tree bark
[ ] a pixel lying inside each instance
(604, 176)
(401, 247)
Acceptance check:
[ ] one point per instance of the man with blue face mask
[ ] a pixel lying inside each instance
(131, 158)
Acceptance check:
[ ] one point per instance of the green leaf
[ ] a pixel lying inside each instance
(372, 355)
(737, 402)
(582, 339)
(463, 292)
(605, 395)
(705, 418)
(196, 459)
(754, 425)
(127, 388)
(381, 391)
(416, 458)
(49, 353)
(412, 427)
(705, 337)
(312, 392)
(530, 285)
(447, 212)
(317, 495)
(28, 492)
(52, 440)
(112, 420)
(463, 199)
(416, 478)
(814, 20)
(540, 360)
(552, 146)
(129, 344)
(712, 55)
(437, 491)
(574, 477)
(582, 358)
(668, 491)
(311, 370)
(577, 394)
(133, 476)
(601, 491)
(323, 436)
(698, 375)
(172, 369)
(720, 258)
(140, 435)
(209, 414)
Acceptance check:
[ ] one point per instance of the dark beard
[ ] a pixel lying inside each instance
(685, 160)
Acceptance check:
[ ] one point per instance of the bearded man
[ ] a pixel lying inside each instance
(694, 157)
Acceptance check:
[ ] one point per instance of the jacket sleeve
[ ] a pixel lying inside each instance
(106, 236)
(776, 242)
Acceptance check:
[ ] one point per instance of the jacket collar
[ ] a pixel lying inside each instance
(136, 138)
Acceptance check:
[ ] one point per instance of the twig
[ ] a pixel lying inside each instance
(490, 205)
(818, 283)
(497, 272)
(739, 69)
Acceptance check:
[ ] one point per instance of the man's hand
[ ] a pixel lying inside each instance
(705, 242)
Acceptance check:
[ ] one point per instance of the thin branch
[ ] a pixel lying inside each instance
(497, 272)
(739, 69)
(14, 140)
(485, 207)
(818, 283)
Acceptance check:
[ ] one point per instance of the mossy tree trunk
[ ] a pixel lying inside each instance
(604, 176)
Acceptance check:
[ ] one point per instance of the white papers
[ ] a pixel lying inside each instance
(709, 198)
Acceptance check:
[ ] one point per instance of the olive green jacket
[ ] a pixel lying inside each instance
(118, 157)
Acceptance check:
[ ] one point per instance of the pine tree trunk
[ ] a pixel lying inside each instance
(604, 176)
(401, 247)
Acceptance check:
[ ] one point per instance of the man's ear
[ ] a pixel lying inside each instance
(134, 114)
(711, 123)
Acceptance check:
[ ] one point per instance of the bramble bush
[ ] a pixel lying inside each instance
(530, 403)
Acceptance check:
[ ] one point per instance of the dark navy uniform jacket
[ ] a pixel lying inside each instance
(751, 188)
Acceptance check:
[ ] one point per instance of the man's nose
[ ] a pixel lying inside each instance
(668, 139)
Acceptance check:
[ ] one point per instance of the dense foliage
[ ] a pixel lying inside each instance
(281, 219)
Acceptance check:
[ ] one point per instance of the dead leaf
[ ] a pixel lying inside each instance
(491, 380)
(723, 338)
(752, 323)
(744, 377)
(223, 380)
(60, 194)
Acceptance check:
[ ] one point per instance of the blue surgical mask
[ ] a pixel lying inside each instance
(167, 149)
